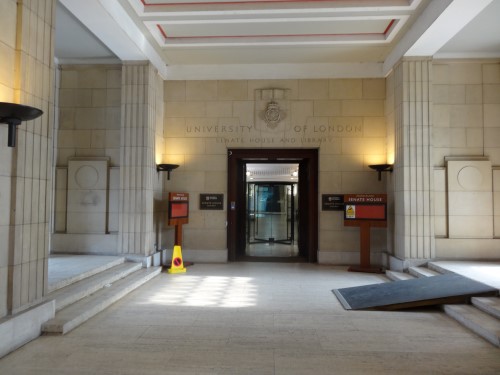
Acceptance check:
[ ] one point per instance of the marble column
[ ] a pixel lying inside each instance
(413, 230)
(29, 163)
(138, 167)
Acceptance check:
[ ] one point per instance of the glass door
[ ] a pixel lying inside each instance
(271, 213)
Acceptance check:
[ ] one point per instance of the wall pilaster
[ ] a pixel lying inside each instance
(413, 173)
(137, 171)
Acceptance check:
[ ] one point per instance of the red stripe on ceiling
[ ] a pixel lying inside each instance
(237, 2)
(389, 26)
(162, 31)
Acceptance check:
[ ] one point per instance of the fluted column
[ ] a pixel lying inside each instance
(137, 167)
(30, 161)
(413, 177)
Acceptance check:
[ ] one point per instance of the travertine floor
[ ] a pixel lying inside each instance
(256, 318)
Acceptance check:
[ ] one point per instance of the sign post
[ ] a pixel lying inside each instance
(178, 214)
(365, 211)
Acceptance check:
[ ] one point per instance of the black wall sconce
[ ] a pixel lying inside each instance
(381, 168)
(13, 114)
(166, 167)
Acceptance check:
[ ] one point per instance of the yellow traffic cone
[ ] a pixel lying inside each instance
(177, 263)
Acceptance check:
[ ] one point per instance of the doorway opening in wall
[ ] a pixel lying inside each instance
(272, 210)
(272, 205)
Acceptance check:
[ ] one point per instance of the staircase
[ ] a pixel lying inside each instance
(482, 316)
(87, 294)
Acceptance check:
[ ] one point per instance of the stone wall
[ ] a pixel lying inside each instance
(466, 126)
(89, 99)
(101, 121)
(466, 110)
(89, 112)
(344, 118)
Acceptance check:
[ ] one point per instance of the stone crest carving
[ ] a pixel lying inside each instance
(272, 114)
(271, 109)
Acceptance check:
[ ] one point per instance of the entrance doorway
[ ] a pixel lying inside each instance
(272, 216)
(272, 210)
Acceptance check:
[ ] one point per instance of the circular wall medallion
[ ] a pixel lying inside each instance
(470, 177)
(86, 177)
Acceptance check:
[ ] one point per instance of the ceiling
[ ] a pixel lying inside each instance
(229, 39)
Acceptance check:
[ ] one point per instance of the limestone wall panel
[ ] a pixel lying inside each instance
(313, 89)
(232, 90)
(346, 89)
(349, 138)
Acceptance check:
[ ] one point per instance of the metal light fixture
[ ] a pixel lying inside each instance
(166, 167)
(13, 114)
(381, 168)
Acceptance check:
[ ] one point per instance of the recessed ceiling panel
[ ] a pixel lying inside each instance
(275, 28)
(252, 23)
(178, 5)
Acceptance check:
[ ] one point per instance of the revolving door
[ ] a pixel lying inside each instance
(271, 215)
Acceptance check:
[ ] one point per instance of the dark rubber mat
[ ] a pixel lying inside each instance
(425, 291)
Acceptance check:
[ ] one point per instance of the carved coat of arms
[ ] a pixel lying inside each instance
(271, 110)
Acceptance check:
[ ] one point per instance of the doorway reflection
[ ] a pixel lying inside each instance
(272, 214)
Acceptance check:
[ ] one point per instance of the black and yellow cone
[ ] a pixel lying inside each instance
(177, 265)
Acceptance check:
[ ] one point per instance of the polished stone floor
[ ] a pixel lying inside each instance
(272, 249)
(256, 318)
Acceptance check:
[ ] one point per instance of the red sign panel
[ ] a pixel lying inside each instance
(365, 207)
(178, 208)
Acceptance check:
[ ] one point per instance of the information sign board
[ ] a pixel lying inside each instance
(211, 201)
(332, 202)
(365, 207)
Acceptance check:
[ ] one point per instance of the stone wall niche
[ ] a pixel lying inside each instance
(470, 198)
(87, 195)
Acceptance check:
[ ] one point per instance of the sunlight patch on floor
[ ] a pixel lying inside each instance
(208, 291)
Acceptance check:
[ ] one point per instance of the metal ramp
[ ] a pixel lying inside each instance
(405, 294)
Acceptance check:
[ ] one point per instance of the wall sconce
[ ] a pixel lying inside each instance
(166, 167)
(381, 168)
(13, 114)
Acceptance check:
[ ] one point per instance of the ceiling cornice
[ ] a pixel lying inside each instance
(275, 71)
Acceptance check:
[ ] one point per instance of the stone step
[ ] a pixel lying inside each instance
(490, 305)
(79, 312)
(477, 321)
(397, 276)
(422, 272)
(83, 275)
(437, 268)
(82, 288)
